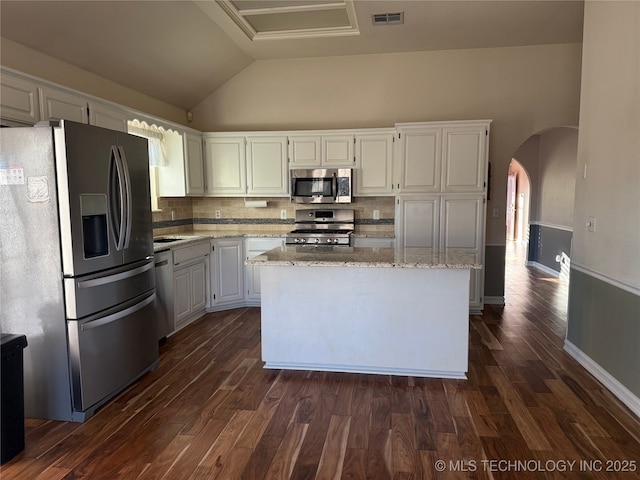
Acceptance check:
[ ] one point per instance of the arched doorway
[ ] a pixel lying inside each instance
(518, 197)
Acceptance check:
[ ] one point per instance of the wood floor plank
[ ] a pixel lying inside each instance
(335, 448)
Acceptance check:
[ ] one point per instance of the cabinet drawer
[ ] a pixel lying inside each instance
(192, 252)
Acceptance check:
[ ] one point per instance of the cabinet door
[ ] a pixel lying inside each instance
(337, 150)
(229, 271)
(374, 162)
(253, 247)
(267, 172)
(194, 164)
(419, 220)
(225, 166)
(462, 222)
(19, 100)
(182, 295)
(57, 105)
(108, 117)
(462, 226)
(305, 151)
(464, 165)
(419, 158)
(198, 273)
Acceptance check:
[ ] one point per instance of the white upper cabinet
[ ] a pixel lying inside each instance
(108, 117)
(59, 105)
(267, 171)
(464, 158)
(305, 150)
(337, 150)
(327, 148)
(418, 159)
(447, 157)
(225, 165)
(194, 164)
(239, 165)
(19, 99)
(374, 163)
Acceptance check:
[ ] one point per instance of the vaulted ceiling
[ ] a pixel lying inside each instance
(182, 51)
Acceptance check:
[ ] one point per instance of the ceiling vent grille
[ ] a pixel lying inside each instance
(388, 18)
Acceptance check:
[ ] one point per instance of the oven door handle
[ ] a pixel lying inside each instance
(334, 186)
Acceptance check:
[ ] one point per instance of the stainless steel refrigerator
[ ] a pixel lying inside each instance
(76, 271)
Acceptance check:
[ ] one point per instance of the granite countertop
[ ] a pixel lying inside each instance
(411, 257)
(184, 239)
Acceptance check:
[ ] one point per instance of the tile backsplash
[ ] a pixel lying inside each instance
(179, 214)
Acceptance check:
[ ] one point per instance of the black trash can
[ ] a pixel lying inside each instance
(12, 393)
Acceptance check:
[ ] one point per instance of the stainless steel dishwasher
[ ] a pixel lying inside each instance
(164, 293)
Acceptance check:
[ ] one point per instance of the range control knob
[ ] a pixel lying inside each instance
(316, 240)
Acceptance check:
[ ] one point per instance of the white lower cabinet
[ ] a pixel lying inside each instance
(227, 273)
(374, 242)
(254, 247)
(190, 282)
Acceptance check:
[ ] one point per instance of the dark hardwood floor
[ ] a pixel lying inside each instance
(210, 411)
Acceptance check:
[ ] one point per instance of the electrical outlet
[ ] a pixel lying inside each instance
(217, 213)
(376, 214)
(283, 214)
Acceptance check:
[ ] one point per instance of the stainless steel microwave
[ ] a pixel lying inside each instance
(321, 185)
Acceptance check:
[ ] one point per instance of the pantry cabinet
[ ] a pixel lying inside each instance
(440, 183)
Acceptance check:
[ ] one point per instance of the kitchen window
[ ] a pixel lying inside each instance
(157, 153)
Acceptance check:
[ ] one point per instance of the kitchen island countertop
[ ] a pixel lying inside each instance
(408, 257)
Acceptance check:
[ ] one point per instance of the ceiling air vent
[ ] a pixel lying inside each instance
(388, 18)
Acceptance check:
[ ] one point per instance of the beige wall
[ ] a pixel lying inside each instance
(609, 144)
(557, 176)
(523, 89)
(26, 60)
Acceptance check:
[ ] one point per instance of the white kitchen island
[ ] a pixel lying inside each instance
(399, 311)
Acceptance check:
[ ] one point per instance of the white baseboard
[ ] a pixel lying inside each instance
(614, 386)
(497, 300)
(549, 271)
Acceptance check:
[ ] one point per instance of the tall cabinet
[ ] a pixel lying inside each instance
(440, 178)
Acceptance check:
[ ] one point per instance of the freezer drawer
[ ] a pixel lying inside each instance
(93, 293)
(109, 351)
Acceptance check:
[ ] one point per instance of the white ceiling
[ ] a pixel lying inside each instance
(182, 51)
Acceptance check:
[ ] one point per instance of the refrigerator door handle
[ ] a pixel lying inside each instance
(95, 282)
(117, 316)
(117, 193)
(128, 206)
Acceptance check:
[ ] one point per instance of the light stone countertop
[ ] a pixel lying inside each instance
(411, 257)
(184, 239)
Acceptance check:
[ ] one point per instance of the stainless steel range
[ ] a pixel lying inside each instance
(324, 226)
